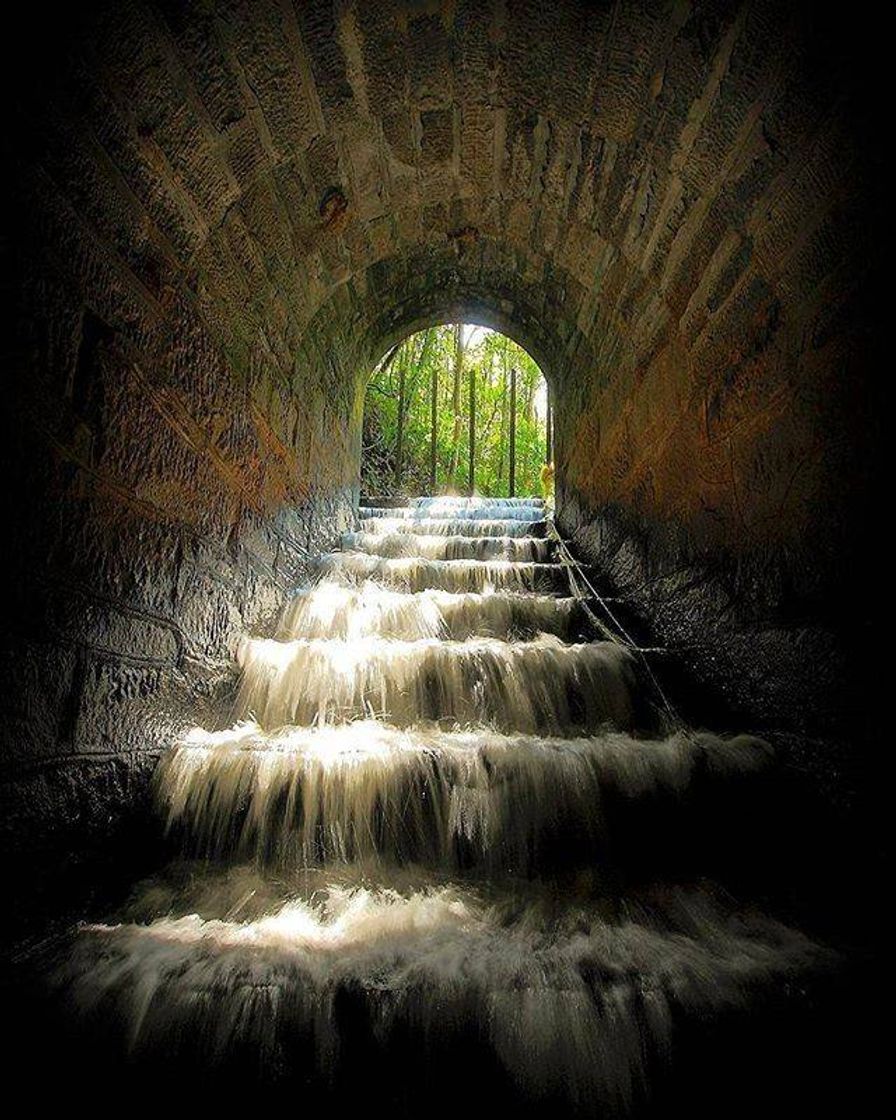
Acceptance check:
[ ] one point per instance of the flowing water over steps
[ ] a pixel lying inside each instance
(415, 574)
(404, 862)
(394, 545)
(383, 522)
(367, 610)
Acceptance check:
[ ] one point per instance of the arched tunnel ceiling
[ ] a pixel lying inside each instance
(658, 197)
(224, 212)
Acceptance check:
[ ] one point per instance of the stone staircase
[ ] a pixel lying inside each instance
(405, 885)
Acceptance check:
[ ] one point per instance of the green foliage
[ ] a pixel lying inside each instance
(396, 456)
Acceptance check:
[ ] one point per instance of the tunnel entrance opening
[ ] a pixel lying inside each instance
(222, 216)
(457, 408)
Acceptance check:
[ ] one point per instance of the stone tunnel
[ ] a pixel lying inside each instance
(221, 215)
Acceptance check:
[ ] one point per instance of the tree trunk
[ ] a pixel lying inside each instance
(512, 475)
(434, 425)
(502, 431)
(458, 419)
(472, 470)
(399, 442)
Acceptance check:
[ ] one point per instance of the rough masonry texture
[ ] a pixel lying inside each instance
(223, 213)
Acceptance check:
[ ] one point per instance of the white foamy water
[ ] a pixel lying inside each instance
(396, 545)
(450, 526)
(365, 791)
(576, 1002)
(344, 611)
(447, 501)
(542, 685)
(454, 512)
(415, 574)
(434, 809)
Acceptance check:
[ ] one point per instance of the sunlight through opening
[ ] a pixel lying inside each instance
(457, 409)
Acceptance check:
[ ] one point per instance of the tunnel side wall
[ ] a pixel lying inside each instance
(221, 214)
(733, 519)
(165, 494)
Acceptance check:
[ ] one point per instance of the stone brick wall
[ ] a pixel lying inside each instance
(223, 213)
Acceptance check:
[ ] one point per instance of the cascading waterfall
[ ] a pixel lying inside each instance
(542, 684)
(383, 521)
(332, 610)
(367, 791)
(396, 545)
(408, 847)
(454, 501)
(416, 574)
(457, 511)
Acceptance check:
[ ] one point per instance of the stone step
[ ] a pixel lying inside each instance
(510, 803)
(541, 686)
(453, 513)
(464, 503)
(394, 545)
(414, 574)
(317, 980)
(453, 527)
(339, 610)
